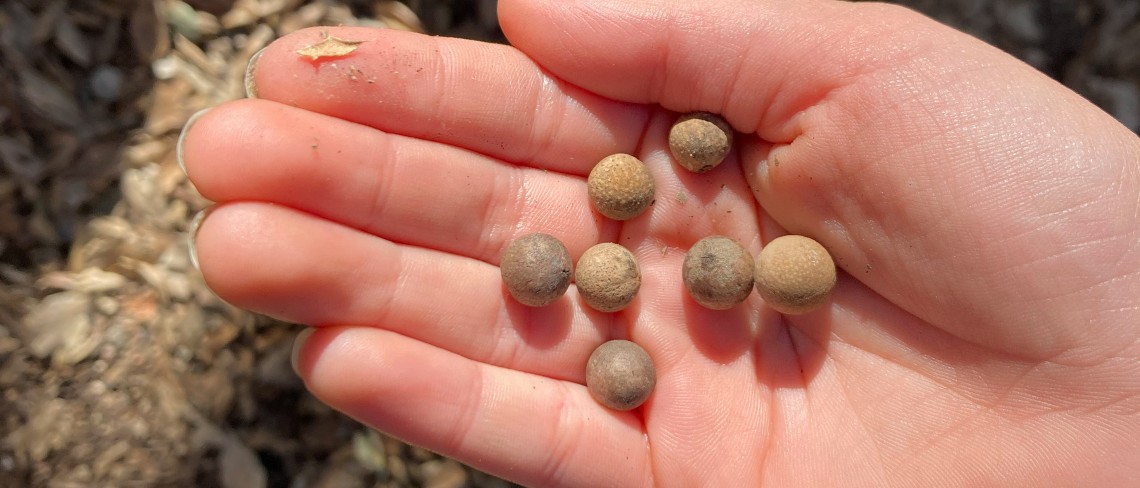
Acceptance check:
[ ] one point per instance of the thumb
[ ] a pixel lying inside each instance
(955, 181)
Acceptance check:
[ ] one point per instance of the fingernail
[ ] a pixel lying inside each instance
(192, 237)
(182, 138)
(298, 343)
(250, 85)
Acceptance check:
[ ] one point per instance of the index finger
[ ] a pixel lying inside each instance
(483, 97)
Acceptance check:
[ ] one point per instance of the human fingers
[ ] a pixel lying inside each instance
(406, 190)
(483, 97)
(955, 181)
(756, 63)
(305, 269)
(527, 428)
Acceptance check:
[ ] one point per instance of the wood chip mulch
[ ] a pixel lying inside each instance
(118, 366)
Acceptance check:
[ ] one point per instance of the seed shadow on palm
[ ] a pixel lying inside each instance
(540, 327)
(721, 335)
(704, 187)
(789, 352)
(786, 355)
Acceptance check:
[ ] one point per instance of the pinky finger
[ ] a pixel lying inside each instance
(527, 428)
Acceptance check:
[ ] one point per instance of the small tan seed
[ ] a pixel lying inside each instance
(718, 272)
(620, 375)
(700, 141)
(794, 274)
(620, 187)
(536, 269)
(608, 277)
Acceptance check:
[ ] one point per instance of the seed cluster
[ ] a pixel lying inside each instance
(793, 274)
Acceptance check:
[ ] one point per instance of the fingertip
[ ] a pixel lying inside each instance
(215, 150)
(344, 366)
(202, 139)
(250, 81)
(320, 355)
(180, 145)
(192, 237)
(295, 355)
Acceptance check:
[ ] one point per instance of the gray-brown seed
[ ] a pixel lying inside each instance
(718, 272)
(607, 277)
(536, 269)
(620, 375)
(700, 141)
(794, 274)
(620, 187)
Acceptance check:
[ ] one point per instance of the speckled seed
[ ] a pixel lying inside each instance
(607, 277)
(536, 269)
(718, 272)
(700, 141)
(620, 187)
(794, 274)
(620, 375)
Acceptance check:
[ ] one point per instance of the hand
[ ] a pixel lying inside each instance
(986, 221)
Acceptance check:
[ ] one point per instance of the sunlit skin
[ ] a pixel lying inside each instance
(985, 220)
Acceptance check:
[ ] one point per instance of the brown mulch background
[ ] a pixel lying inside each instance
(117, 366)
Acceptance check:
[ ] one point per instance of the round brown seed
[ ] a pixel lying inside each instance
(718, 272)
(620, 375)
(607, 277)
(536, 269)
(794, 274)
(620, 187)
(700, 141)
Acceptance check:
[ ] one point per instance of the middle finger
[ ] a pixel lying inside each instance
(406, 190)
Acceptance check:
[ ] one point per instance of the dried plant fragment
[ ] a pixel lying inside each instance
(329, 47)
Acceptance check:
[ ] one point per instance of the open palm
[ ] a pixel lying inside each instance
(983, 330)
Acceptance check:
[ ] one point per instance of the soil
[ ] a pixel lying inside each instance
(118, 367)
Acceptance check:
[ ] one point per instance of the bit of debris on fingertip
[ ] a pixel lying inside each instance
(329, 47)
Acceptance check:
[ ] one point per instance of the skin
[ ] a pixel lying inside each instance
(986, 221)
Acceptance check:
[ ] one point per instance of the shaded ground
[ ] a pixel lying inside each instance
(117, 366)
